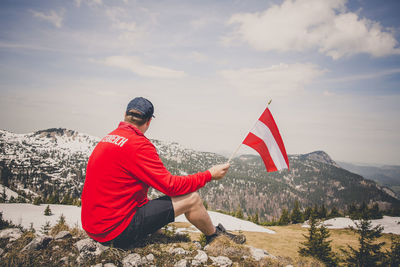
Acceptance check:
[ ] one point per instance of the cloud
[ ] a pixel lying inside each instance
(202, 22)
(134, 65)
(52, 16)
(277, 80)
(367, 76)
(328, 93)
(90, 3)
(198, 57)
(129, 31)
(299, 25)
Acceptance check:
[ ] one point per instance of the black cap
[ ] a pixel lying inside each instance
(144, 106)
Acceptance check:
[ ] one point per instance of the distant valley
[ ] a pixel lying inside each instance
(387, 175)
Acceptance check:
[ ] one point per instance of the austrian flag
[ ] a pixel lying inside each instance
(266, 140)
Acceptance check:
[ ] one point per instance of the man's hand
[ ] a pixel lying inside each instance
(219, 171)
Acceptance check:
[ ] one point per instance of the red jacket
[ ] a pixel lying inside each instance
(122, 167)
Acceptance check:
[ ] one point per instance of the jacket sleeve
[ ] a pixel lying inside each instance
(150, 169)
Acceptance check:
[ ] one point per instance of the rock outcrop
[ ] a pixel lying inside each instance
(66, 249)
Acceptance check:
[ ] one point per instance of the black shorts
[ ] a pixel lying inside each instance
(147, 220)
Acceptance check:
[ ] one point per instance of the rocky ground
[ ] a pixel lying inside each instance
(63, 246)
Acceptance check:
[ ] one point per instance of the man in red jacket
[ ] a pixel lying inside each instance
(120, 170)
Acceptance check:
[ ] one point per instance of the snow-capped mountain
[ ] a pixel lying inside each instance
(51, 164)
(39, 162)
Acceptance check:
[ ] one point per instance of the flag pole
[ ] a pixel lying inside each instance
(237, 149)
(234, 153)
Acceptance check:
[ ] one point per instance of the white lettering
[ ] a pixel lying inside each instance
(123, 141)
(114, 139)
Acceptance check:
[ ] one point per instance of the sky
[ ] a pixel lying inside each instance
(331, 68)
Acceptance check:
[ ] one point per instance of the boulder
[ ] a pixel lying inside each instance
(38, 243)
(181, 263)
(63, 235)
(11, 234)
(88, 248)
(221, 261)
(201, 257)
(259, 254)
(132, 260)
(87, 244)
(147, 259)
(109, 265)
(178, 251)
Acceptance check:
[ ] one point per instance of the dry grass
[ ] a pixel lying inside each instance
(223, 246)
(287, 240)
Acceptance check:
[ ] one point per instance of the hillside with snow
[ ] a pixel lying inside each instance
(49, 166)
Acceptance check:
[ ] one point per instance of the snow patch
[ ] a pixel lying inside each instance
(25, 214)
(390, 224)
(231, 223)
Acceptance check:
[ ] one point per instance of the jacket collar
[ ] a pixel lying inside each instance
(127, 126)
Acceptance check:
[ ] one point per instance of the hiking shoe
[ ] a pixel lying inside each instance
(220, 230)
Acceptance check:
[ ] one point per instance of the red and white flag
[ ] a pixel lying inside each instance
(266, 140)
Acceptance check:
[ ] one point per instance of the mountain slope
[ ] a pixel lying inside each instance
(51, 164)
(385, 175)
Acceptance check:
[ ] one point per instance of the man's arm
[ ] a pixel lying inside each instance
(150, 169)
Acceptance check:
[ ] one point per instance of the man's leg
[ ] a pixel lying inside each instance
(194, 210)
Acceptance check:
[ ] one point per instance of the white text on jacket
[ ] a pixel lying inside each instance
(114, 139)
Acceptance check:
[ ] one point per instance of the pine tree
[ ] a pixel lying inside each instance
(352, 211)
(317, 245)
(315, 210)
(45, 228)
(369, 252)
(334, 213)
(60, 226)
(37, 201)
(239, 213)
(296, 216)
(76, 202)
(322, 212)
(3, 223)
(311, 243)
(47, 211)
(61, 220)
(325, 253)
(284, 219)
(393, 256)
(51, 199)
(31, 229)
(3, 198)
(307, 213)
(363, 211)
(255, 218)
(375, 213)
(56, 198)
(6, 175)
